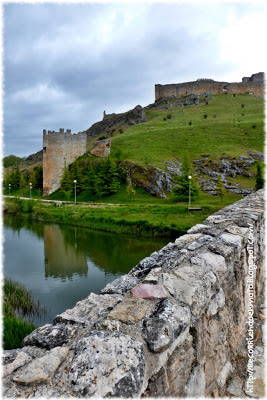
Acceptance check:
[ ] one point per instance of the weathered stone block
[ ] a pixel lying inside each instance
(120, 285)
(167, 322)
(130, 310)
(49, 336)
(217, 301)
(179, 366)
(147, 291)
(42, 369)
(88, 310)
(196, 384)
(194, 292)
(21, 359)
(107, 364)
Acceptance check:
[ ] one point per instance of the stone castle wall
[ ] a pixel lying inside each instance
(59, 148)
(175, 325)
(254, 85)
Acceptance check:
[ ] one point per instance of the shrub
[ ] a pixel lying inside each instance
(121, 130)
(254, 126)
(190, 123)
(242, 105)
(205, 116)
(169, 116)
(27, 206)
(102, 137)
(164, 119)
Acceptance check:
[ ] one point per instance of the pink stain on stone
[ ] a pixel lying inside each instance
(147, 291)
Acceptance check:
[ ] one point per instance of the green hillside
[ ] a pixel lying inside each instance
(215, 132)
(233, 125)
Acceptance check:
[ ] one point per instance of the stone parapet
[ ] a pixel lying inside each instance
(175, 325)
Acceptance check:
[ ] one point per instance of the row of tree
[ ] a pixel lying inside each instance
(17, 180)
(101, 178)
(104, 177)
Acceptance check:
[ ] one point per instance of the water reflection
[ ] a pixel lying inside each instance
(62, 259)
(61, 265)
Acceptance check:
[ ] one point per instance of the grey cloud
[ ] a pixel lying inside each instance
(65, 63)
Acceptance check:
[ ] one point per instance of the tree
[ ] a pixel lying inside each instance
(15, 178)
(32, 178)
(66, 180)
(38, 181)
(76, 173)
(23, 181)
(183, 180)
(130, 190)
(219, 187)
(259, 177)
(7, 179)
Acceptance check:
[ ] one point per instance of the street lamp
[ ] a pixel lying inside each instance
(189, 177)
(9, 187)
(30, 190)
(75, 188)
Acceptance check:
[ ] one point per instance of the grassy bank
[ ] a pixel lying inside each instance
(18, 304)
(143, 220)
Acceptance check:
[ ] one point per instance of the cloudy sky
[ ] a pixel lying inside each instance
(64, 64)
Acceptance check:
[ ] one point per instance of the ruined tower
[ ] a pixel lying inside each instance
(59, 148)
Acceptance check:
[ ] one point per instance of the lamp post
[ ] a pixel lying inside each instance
(75, 188)
(9, 187)
(189, 177)
(30, 190)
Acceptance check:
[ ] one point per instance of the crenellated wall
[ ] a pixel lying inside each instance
(59, 148)
(254, 85)
(175, 325)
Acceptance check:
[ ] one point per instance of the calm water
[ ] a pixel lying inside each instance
(61, 264)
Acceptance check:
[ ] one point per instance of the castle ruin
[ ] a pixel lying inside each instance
(63, 147)
(59, 148)
(253, 85)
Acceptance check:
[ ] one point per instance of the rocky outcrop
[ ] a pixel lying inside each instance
(113, 121)
(175, 325)
(153, 180)
(227, 167)
(101, 148)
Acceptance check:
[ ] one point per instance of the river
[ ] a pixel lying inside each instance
(62, 264)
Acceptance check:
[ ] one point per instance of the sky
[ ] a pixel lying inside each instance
(64, 64)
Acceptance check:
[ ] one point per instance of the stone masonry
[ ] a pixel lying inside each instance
(175, 325)
(59, 148)
(254, 85)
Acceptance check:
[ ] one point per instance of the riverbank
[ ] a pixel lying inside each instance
(142, 220)
(18, 304)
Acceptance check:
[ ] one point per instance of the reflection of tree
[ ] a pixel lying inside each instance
(17, 223)
(110, 252)
(61, 259)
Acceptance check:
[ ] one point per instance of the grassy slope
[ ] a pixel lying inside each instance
(228, 133)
